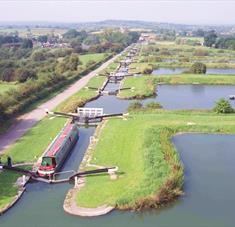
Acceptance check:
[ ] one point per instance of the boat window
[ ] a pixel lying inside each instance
(47, 161)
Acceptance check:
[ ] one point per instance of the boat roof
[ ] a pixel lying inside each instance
(59, 140)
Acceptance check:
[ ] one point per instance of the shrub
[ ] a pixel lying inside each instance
(198, 68)
(153, 105)
(223, 106)
(135, 106)
(201, 52)
(147, 70)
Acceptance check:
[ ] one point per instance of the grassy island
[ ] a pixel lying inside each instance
(145, 86)
(151, 173)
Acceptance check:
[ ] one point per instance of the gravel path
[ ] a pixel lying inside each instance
(24, 122)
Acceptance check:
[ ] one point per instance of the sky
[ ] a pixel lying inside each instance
(177, 11)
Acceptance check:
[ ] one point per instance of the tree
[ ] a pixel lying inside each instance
(70, 34)
(73, 62)
(38, 55)
(8, 74)
(27, 43)
(199, 33)
(23, 75)
(42, 38)
(210, 38)
(223, 106)
(198, 68)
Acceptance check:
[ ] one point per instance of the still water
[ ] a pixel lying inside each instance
(192, 96)
(172, 71)
(208, 200)
(209, 178)
(172, 97)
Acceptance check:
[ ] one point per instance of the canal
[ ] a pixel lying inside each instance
(175, 71)
(209, 174)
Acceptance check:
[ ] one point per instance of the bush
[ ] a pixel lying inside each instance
(135, 106)
(201, 52)
(153, 105)
(223, 106)
(147, 70)
(198, 68)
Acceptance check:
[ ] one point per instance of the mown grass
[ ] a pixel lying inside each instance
(29, 147)
(144, 86)
(82, 96)
(152, 173)
(196, 78)
(7, 189)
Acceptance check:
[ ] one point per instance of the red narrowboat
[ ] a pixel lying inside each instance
(57, 151)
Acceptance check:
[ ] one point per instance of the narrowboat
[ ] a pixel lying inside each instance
(57, 151)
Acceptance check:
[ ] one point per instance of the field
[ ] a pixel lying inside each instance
(34, 31)
(91, 57)
(150, 169)
(170, 54)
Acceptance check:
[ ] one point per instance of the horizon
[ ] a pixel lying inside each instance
(106, 20)
(173, 12)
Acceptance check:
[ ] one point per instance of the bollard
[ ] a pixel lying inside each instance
(23, 180)
(75, 182)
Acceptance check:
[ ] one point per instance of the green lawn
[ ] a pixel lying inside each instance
(81, 97)
(197, 78)
(30, 147)
(141, 148)
(145, 86)
(44, 132)
(7, 189)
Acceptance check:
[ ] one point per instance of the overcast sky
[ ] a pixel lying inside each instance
(178, 11)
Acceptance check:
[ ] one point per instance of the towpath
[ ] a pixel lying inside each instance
(26, 121)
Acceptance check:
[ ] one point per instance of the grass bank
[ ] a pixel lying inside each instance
(152, 173)
(8, 190)
(81, 97)
(142, 87)
(31, 146)
(145, 86)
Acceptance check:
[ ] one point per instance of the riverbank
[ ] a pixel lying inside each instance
(146, 86)
(151, 173)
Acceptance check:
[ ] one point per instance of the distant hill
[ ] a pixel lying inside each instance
(114, 24)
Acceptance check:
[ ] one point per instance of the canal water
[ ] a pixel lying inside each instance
(192, 96)
(208, 201)
(209, 174)
(172, 71)
(171, 97)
